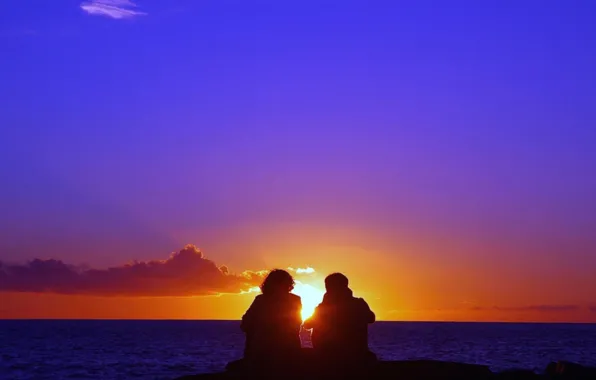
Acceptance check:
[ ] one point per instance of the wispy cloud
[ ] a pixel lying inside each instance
(307, 270)
(117, 9)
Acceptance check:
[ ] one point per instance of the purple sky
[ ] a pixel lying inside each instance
(208, 122)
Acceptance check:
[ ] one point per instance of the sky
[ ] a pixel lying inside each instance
(157, 157)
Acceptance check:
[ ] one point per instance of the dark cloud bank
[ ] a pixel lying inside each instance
(185, 273)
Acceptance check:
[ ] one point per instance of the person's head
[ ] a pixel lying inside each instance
(336, 282)
(277, 281)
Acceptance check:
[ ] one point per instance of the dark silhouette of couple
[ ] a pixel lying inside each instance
(339, 326)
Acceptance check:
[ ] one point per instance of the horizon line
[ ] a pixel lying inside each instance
(238, 320)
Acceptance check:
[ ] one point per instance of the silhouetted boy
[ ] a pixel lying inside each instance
(340, 324)
(272, 323)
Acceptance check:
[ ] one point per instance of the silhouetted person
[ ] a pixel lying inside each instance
(272, 323)
(340, 324)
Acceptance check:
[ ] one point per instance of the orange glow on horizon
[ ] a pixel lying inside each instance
(231, 307)
(404, 286)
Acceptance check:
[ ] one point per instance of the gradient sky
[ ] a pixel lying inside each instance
(441, 153)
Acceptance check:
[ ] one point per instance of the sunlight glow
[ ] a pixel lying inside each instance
(254, 289)
(311, 297)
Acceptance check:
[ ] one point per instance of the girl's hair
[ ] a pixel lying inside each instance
(277, 281)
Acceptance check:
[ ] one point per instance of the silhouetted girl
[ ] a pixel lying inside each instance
(272, 322)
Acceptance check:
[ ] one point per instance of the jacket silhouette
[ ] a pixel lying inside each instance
(340, 322)
(272, 322)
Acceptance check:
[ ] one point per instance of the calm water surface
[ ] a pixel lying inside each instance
(167, 349)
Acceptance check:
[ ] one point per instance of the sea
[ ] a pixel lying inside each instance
(126, 349)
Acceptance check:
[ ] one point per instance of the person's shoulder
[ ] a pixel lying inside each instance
(294, 297)
(360, 301)
(259, 302)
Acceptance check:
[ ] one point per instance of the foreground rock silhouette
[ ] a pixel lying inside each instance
(403, 370)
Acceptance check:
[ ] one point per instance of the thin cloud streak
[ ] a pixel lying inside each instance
(116, 9)
(539, 308)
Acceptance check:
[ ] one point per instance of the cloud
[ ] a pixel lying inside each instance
(541, 308)
(307, 270)
(184, 273)
(117, 9)
(592, 308)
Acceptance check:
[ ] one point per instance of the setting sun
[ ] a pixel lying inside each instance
(310, 296)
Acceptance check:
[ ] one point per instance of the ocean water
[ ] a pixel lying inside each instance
(67, 349)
